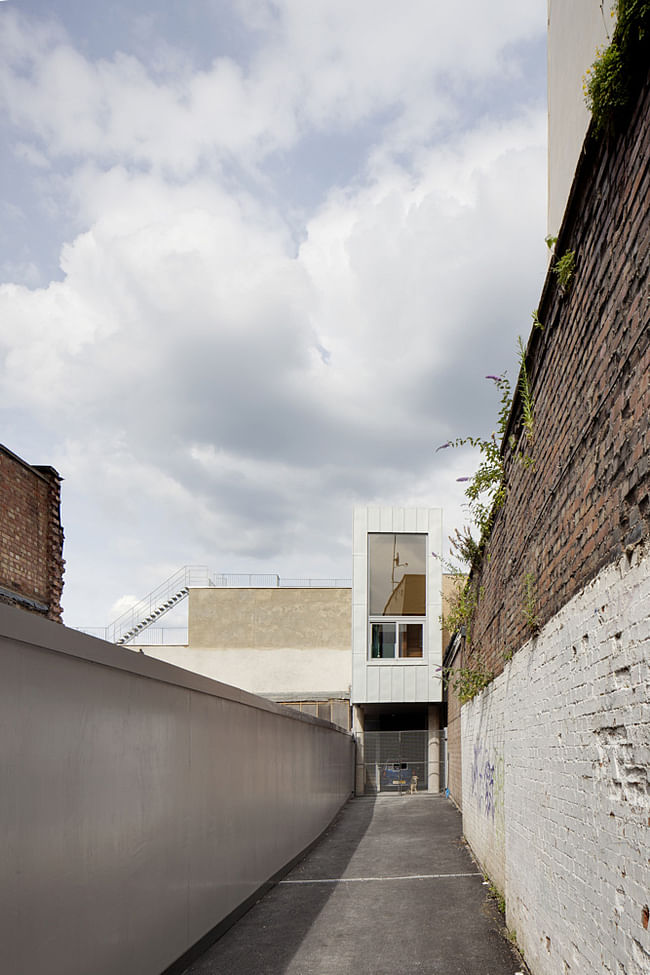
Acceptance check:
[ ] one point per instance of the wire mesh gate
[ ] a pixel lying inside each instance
(400, 761)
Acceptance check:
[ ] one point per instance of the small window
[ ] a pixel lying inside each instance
(383, 641)
(391, 640)
(410, 635)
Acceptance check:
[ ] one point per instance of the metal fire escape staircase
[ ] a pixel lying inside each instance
(167, 595)
(173, 590)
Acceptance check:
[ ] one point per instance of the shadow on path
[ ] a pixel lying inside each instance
(390, 889)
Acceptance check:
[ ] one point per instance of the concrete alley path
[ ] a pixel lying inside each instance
(389, 889)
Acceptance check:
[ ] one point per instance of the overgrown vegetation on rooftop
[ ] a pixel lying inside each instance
(611, 81)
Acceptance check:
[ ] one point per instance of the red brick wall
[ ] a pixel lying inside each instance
(31, 536)
(454, 751)
(585, 502)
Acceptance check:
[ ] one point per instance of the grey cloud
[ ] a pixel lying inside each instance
(176, 370)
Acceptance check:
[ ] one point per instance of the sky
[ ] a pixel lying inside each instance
(256, 260)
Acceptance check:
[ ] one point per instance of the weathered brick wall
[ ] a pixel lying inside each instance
(556, 756)
(31, 536)
(454, 756)
(585, 501)
(567, 720)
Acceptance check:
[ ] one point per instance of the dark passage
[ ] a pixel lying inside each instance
(390, 889)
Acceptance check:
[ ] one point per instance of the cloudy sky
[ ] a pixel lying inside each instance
(256, 258)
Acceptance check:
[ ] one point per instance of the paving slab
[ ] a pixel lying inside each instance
(391, 888)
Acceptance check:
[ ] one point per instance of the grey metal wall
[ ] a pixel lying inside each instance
(139, 803)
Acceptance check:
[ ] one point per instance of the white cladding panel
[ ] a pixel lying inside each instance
(395, 681)
(575, 30)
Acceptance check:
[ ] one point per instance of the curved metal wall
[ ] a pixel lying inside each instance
(141, 804)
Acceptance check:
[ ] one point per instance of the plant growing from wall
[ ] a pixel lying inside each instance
(486, 493)
(529, 602)
(486, 490)
(469, 680)
(610, 82)
(527, 404)
(466, 682)
(564, 268)
(496, 895)
(465, 549)
(536, 320)
(461, 604)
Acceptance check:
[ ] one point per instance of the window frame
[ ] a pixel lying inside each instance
(389, 617)
(397, 622)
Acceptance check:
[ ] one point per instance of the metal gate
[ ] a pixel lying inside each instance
(400, 761)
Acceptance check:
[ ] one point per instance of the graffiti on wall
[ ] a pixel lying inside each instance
(487, 780)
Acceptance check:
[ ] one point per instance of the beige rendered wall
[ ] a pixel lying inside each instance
(451, 585)
(307, 619)
(279, 642)
(576, 28)
(288, 671)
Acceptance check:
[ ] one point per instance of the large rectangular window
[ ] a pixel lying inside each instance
(396, 574)
(395, 639)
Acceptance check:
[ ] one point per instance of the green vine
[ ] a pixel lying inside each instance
(486, 493)
(467, 682)
(486, 490)
(610, 82)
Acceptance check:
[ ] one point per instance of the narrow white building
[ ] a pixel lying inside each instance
(397, 648)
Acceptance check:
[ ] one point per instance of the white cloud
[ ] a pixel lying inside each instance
(213, 392)
(323, 64)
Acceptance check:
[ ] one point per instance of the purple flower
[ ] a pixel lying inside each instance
(463, 478)
(443, 445)
(496, 379)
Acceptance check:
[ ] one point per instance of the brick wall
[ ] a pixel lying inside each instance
(585, 501)
(484, 778)
(565, 825)
(556, 757)
(31, 536)
(454, 660)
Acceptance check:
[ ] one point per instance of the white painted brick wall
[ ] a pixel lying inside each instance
(567, 834)
(483, 780)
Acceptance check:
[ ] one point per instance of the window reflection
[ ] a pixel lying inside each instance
(410, 635)
(396, 574)
(383, 642)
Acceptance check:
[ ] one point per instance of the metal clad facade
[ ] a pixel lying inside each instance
(399, 680)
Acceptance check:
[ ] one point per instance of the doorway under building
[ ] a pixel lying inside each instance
(400, 749)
